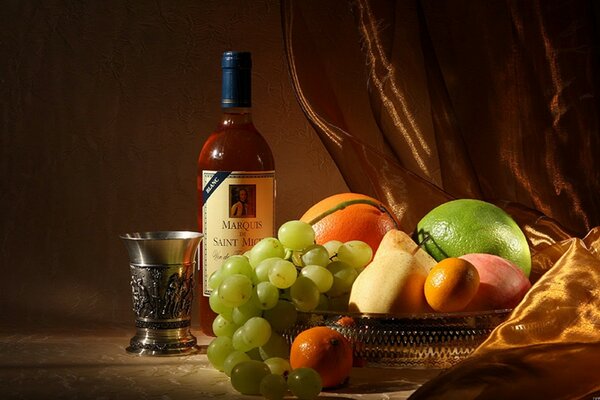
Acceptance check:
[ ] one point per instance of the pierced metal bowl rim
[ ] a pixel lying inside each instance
(411, 316)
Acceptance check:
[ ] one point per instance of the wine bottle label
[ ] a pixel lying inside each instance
(237, 212)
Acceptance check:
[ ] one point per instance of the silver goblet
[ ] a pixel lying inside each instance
(162, 266)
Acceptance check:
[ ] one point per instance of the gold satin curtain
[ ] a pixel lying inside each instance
(419, 102)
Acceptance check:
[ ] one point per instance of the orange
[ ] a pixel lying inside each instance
(326, 351)
(348, 323)
(350, 216)
(451, 285)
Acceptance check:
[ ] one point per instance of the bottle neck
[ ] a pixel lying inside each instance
(236, 89)
(236, 116)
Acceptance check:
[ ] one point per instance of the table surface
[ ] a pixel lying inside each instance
(93, 364)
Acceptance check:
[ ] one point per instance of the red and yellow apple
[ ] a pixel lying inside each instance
(501, 283)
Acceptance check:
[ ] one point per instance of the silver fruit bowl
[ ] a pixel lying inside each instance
(436, 340)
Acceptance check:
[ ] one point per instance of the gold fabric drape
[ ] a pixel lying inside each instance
(549, 348)
(419, 102)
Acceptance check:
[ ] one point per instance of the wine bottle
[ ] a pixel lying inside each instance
(235, 182)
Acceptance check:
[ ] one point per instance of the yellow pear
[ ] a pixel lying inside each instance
(393, 282)
(396, 240)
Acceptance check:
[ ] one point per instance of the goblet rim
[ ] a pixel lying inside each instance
(161, 235)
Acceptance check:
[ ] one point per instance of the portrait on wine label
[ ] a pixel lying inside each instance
(242, 200)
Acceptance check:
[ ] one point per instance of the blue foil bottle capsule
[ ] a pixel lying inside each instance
(236, 68)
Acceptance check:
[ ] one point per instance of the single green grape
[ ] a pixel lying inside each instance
(305, 383)
(273, 387)
(247, 375)
(267, 248)
(218, 350)
(261, 272)
(266, 294)
(283, 274)
(257, 331)
(332, 247)
(277, 346)
(320, 276)
(235, 290)
(218, 306)
(215, 279)
(278, 365)
(236, 264)
(343, 278)
(239, 342)
(356, 253)
(223, 326)
(246, 311)
(296, 235)
(281, 317)
(315, 255)
(233, 359)
(305, 294)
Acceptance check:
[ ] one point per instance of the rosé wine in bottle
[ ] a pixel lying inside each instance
(235, 182)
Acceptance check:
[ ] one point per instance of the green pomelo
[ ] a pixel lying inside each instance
(466, 226)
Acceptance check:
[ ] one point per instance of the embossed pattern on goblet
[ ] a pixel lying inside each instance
(176, 284)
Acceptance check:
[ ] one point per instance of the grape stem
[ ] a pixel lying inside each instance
(347, 203)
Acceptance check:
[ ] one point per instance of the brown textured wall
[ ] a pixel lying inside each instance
(104, 106)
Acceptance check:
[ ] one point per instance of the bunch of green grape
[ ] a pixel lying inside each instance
(257, 296)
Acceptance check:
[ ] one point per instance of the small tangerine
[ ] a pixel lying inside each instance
(326, 351)
(451, 285)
